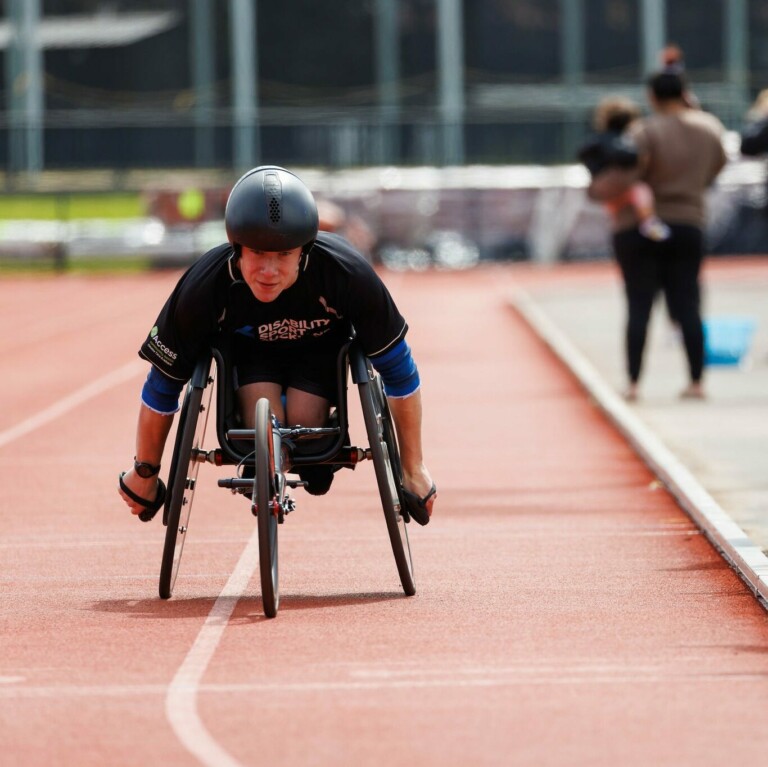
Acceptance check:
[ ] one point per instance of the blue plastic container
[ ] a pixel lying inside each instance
(727, 339)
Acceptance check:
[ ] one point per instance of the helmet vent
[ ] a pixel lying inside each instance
(274, 192)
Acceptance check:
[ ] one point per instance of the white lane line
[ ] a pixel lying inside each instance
(215, 755)
(725, 535)
(181, 697)
(70, 402)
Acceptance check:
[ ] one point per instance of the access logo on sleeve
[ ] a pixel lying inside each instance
(159, 349)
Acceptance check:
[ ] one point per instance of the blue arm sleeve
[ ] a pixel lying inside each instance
(161, 393)
(398, 371)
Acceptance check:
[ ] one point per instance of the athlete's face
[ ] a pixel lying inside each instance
(269, 273)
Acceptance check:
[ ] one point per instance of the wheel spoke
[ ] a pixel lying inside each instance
(182, 480)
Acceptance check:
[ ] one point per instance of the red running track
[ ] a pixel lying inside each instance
(567, 611)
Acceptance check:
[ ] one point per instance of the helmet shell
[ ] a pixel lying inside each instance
(270, 208)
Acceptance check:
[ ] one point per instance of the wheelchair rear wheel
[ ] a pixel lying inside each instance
(266, 500)
(389, 474)
(187, 456)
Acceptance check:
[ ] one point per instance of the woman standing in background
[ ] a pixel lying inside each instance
(680, 155)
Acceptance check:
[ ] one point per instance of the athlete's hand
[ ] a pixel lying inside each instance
(140, 487)
(419, 481)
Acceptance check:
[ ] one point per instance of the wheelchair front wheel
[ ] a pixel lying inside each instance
(182, 478)
(389, 475)
(266, 500)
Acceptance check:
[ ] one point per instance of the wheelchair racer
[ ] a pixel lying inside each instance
(286, 295)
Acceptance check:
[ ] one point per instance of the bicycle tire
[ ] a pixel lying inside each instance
(386, 461)
(182, 480)
(266, 500)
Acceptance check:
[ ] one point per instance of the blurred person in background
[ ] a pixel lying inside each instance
(611, 147)
(284, 296)
(680, 155)
(754, 135)
(333, 218)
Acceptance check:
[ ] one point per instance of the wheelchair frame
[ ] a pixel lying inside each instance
(269, 453)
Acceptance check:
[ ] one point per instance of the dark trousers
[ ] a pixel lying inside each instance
(671, 267)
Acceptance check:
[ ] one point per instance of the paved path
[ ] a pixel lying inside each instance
(723, 441)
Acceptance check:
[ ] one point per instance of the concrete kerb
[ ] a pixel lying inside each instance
(724, 534)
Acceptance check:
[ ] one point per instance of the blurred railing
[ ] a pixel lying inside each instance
(409, 218)
(503, 124)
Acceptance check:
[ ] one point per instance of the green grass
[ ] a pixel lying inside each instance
(92, 266)
(41, 207)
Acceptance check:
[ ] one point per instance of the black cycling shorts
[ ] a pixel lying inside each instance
(313, 370)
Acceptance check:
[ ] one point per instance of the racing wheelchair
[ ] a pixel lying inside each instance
(263, 457)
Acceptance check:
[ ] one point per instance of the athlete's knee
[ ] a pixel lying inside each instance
(306, 409)
(249, 394)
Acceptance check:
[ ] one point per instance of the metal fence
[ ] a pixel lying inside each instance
(230, 83)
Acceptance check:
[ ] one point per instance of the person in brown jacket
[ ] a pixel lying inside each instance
(680, 155)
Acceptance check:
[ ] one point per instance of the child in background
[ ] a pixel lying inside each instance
(754, 136)
(612, 148)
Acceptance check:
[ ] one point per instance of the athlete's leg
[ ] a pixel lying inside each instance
(306, 409)
(309, 383)
(249, 394)
(307, 380)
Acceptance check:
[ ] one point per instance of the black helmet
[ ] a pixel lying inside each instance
(270, 208)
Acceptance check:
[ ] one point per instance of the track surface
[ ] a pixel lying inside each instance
(567, 611)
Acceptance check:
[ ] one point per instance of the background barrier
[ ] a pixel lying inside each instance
(409, 218)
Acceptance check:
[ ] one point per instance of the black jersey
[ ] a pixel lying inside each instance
(336, 289)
